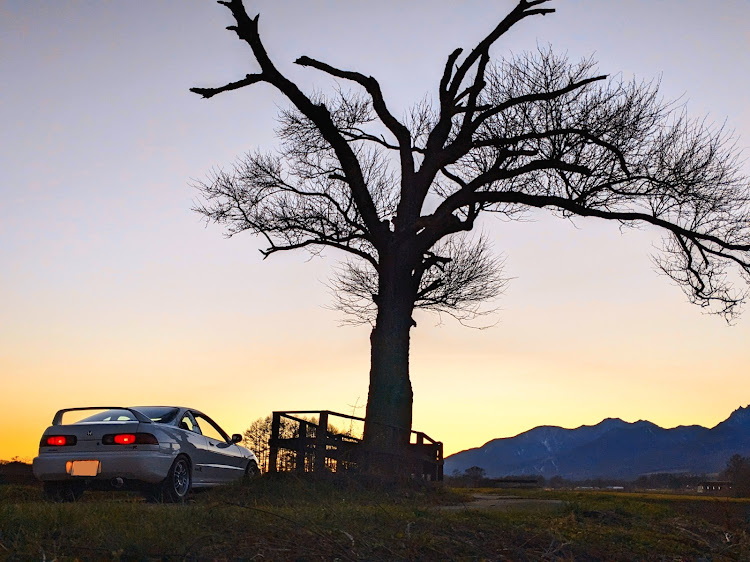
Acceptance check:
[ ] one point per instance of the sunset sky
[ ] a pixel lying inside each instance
(112, 292)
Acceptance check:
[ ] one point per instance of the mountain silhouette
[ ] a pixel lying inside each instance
(612, 448)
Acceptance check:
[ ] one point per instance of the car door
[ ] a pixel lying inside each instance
(195, 445)
(227, 461)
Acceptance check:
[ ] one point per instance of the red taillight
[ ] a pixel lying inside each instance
(59, 440)
(129, 439)
(124, 438)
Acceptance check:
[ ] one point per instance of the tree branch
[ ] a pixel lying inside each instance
(520, 12)
(373, 88)
(505, 141)
(247, 81)
(320, 242)
(247, 30)
(540, 201)
(530, 98)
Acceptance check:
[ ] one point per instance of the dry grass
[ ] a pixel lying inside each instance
(290, 519)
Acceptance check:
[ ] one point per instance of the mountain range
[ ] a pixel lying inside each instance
(612, 449)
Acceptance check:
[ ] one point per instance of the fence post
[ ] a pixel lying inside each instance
(321, 437)
(273, 442)
(419, 457)
(301, 447)
(439, 461)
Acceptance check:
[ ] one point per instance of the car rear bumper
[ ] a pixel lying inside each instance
(144, 466)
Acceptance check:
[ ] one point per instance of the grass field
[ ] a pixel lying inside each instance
(286, 518)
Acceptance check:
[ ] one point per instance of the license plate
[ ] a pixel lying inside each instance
(84, 468)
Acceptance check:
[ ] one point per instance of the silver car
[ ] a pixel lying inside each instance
(163, 451)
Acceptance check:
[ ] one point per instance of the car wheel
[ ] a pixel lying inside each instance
(62, 491)
(176, 485)
(251, 471)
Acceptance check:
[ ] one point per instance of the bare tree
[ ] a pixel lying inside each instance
(257, 436)
(400, 197)
(737, 472)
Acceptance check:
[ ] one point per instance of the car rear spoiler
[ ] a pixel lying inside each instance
(57, 420)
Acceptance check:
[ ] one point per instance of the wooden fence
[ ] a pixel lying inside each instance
(316, 446)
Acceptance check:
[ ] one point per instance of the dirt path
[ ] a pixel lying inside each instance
(501, 503)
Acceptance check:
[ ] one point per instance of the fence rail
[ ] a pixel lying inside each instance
(316, 446)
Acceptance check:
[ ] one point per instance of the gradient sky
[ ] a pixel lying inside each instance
(113, 292)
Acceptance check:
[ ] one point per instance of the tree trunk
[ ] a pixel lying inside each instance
(389, 402)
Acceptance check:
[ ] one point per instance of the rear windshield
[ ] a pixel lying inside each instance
(158, 414)
(109, 416)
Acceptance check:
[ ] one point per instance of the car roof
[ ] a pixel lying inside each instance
(165, 406)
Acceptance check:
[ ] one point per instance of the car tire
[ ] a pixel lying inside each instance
(176, 486)
(62, 492)
(251, 471)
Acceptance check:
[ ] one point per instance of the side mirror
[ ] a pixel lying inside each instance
(236, 438)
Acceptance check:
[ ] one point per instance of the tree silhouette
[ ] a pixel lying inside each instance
(401, 197)
(737, 472)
